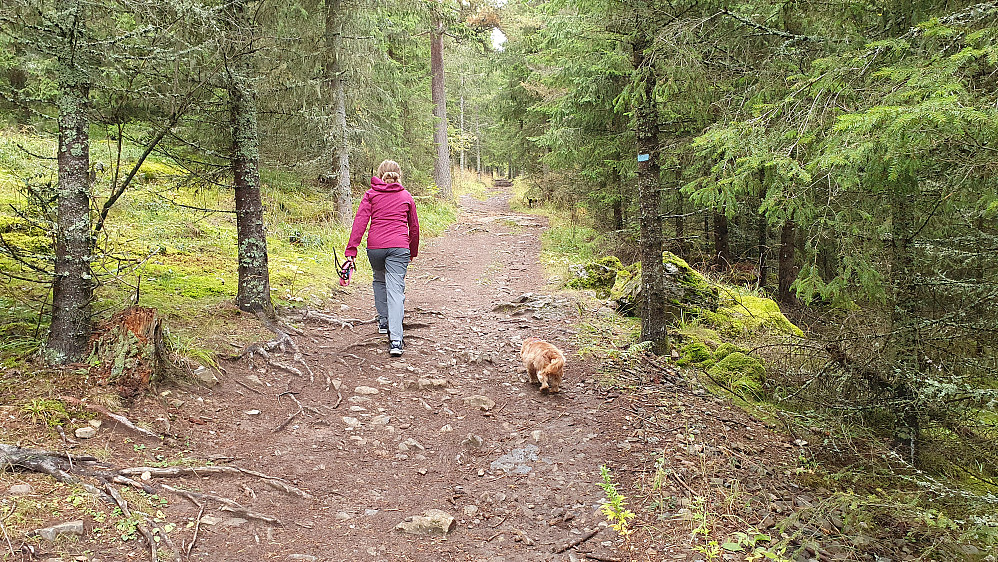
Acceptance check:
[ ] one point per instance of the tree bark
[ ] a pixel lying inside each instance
(762, 231)
(441, 168)
(905, 349)
(788, 270)
(722, 247)
(253, 293)
(73, 286)
(462, 166)
(681, 248)
(654, 321)
(340, 157)
(478, 144)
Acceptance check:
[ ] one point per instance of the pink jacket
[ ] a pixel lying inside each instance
(391, 211)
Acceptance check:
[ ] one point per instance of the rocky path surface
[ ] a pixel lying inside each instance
(452, 428)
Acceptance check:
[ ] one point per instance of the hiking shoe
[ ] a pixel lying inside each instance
(382, 325)
(395, 349)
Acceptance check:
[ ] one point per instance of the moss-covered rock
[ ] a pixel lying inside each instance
(740, 313)
(696, 293)
(694, 352)
(599, 275)
(740, 373)
(726, 349)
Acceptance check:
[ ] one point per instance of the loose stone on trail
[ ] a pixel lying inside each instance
(70, 528)
(432, 522)
(483, 403)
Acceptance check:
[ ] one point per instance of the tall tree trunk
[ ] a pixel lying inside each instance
(788, 272)
(681, 248)
(654, 322)
(905, 349)
(462, 166)
(722, 245)
(762, 226)
(73, 286)
(335, 89)
(441, 168)
(253, 293)
(478, 144)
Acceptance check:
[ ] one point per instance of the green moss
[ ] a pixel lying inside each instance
(695, 292)
(741, 373)
(694, 352)
(726, 349)
(599, 275)
(740, 313)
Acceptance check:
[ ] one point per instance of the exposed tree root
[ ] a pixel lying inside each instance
(109, 415)
(283, 342)
(73, 469)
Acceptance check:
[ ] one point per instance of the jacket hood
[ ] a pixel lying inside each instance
(379, 185)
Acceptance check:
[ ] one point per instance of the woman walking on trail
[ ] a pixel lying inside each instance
(392, 242)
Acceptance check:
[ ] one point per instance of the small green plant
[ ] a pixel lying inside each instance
(52, 412)
(613, 508)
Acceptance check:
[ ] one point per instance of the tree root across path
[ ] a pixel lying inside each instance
(283, 342)
(81, 470)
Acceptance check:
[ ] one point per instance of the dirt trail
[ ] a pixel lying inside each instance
(520, 478)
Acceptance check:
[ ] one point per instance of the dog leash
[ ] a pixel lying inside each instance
(344, 270)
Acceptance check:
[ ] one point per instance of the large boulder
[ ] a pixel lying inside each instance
(695, 294)
(599, 275)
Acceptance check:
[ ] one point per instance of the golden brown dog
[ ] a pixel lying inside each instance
(545, 363)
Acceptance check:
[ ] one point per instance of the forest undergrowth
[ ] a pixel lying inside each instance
(170, 244)
(881, 506)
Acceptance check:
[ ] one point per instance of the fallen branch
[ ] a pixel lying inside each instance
(577, 542)
(197, 529)
(231, 506)
(142, 529)
(3, 527)
(178, 471)
(116, 417)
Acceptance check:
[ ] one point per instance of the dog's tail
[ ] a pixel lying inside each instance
(556, 364)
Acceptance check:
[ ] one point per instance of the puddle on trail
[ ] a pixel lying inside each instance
(517, 461)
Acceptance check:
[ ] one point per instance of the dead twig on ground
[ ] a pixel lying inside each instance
(3, 527)
(140, 527)
(576, 542)
(178, 471)
(197, 529)
(116, 417)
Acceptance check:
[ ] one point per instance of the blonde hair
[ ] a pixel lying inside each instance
(390, 171)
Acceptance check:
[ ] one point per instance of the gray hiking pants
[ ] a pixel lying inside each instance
(390, 265)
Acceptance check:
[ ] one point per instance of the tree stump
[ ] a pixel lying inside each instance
(129, 351)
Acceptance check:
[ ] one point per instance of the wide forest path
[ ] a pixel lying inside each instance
(453, 427)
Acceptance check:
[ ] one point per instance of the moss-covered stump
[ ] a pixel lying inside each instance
(129, 351)
(599, 275)
(740, 373)
(696, 294)
(740, 313)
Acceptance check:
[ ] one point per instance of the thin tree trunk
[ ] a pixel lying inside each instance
(762, 226)
(441, 168)
(654, 321)
(722, 248)
(340, 142)
(462, 126)
(904, 345)
(73, 286)
(681, 249)
(253, 293)
(478, 144)
(788, 272)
